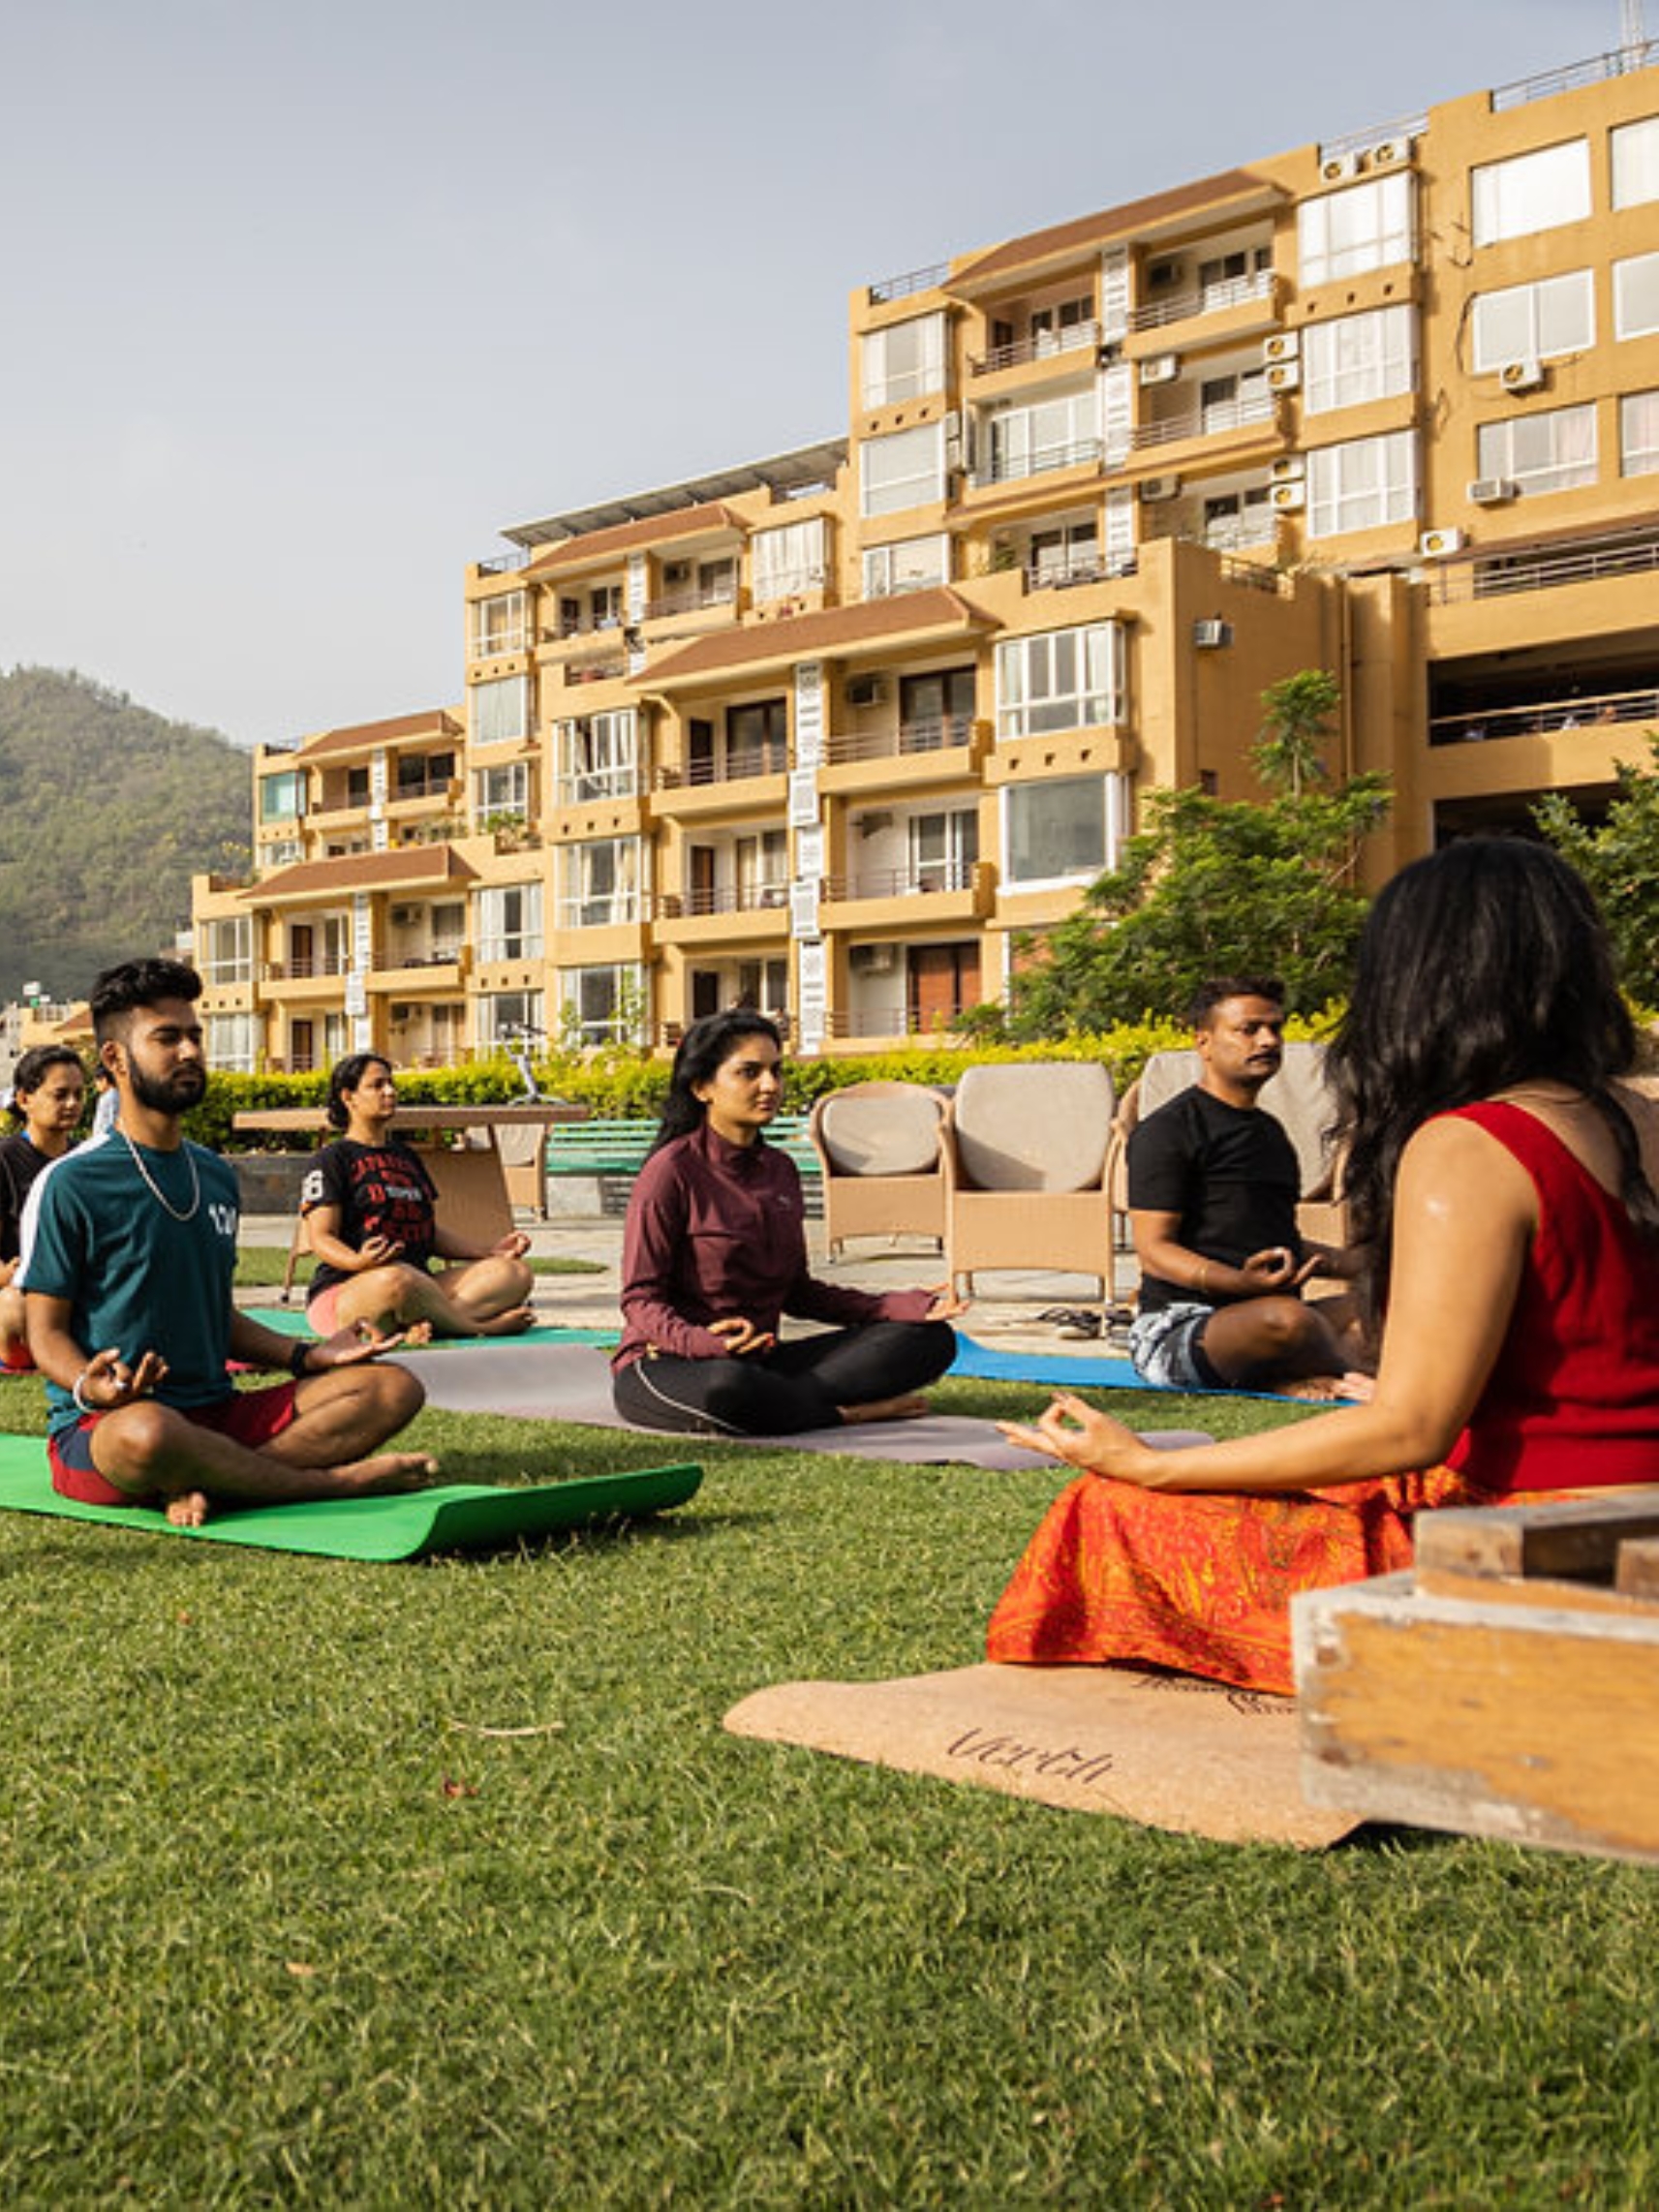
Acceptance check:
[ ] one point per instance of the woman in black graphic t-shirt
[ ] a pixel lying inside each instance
(370, 1207)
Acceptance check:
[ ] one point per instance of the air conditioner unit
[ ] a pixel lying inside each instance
(866, 690)
(1286, 468)
(1390, 153)
(1157, 488)
(1493, 491)
(402, 916)
(1338, 169)
(1521, 376)
(1160, 369)
(1282, 345)
(1286, 498)
(1435, 544)
(1208, 634)
(874, 959)
(1285, 376)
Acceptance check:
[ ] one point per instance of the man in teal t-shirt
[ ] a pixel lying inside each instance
(131, 1316)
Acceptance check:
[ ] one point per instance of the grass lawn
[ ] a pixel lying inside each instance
(282, 1920)
(258, 1267)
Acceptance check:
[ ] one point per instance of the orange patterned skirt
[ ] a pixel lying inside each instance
(1202, 1581)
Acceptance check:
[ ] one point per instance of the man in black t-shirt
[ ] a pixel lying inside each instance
(1214, 1182)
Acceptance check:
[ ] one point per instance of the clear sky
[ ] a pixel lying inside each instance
(305, 300)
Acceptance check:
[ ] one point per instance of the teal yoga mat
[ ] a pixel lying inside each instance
(291, 1321)
(455, 1517)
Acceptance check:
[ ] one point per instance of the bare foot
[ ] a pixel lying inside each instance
(386, 1473)
(511, 1323)
(189, 1509)
(910, 1408)
(1357, 1388)
(1313, 1390)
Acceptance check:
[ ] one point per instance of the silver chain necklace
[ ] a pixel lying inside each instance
(156, 1192)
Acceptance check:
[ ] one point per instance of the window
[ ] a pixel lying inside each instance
(1234, 519)
(599, 882)
(1061, 832)
(690, 584)
(510, 922)
(227, 950)
(757, 740)
(498, 625)
(1356, 357)
(912, 564)
(1638, 433)
(904, 360)
(1635, 296)
(501, 711)
(1344, 233)
(1064, 679)
(1636, 162)
(1549, 452)
(1242, 395)
(424, 775)
(283, 852)
(789, 560)
(504, 1016)
(357, 787)
(1068, 553)
(1532, 192)
(599, 608)
(501, 791)
(1534, 322)
(936, 709)
(596, 759)
(282, 798)
(446, 930)
(1363, 484)
(1055, 434)
(230, 1042)
(944, 848)
(905, 470)
(604, 1005)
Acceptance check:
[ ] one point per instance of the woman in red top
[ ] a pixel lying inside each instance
(715, 1253)
(1496, 1174)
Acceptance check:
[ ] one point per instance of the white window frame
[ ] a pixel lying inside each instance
(493, 1028)
(908, 564)
(1529, 192)
(499, 626)
(275, 793)
(597, 757)
(1356, 358)
(1639, 434)
(503, 790)
(500, 713)
(507, 921)
(625, 976)
(1061, 679)
(1061, 431)
(904, 360)
(904, 470)
(1503, 449)
(1069, 800)
(793, 558)
(1368, 226)
(232, 1041)
(1635, 296)
(1636, 162)
(235, 965)
(1534, 322)
(942, 847)
(599, 882)
(1363, 484)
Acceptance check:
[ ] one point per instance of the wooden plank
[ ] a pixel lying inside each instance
(1577, 1536)
(1637, 1575)
(1539, 1725)
(1536, 1590)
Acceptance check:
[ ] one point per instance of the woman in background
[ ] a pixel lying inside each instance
(48, 1090)
(1496, 1173)
(715, 1253)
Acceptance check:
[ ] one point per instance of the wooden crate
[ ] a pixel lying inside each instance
(1508, 1686)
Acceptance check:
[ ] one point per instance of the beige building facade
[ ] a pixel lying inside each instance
(825, 734)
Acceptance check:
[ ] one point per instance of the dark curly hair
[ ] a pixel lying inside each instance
(119, 992)
(705, 1049)
(347, 1075)
(32, 1071)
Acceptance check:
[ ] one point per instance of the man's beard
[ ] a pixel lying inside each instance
(174, 1093)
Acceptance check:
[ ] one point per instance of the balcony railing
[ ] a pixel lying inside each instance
(1545, 718)
(1010, 468)
(1049, 573)
(1203, 299)
(1375, 134)
(306, 967)
(507, 564)
(1624, 61)
(1232, 532)
(578, 625)
(885, 1022)
(595, 667)
(726, 899)
(933, 733)
(691, 601)
(1040, 346)
(423, 955)
(919, 880)
(1583, 561)
(1204, 421)
(739, 766)
(911, 281)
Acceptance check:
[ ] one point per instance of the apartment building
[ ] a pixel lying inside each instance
(825, 734)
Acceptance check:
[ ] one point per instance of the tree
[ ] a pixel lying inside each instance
(1619, 859)
(1214, 887)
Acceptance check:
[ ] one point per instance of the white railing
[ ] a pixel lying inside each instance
(1040, 346)
(1010, 468)
(1204, 421)
(1545, 718)
(1624, 61)
(1205, 299)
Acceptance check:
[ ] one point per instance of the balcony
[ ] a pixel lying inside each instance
(304, 968)
(1204, 421)
(691, 601)
(1040, 346)
(1545, 718)
(740, 766)
(597, 667)
(903, 287)
(1052, 573)
(726, 899)
(1543, 569)
(1205, 299)
(922, 879)
(931, 733)
(1013, 468)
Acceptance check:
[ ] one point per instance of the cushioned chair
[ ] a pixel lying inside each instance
(1025, 1155)
(879, 1145)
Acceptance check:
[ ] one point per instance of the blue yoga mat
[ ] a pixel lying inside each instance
(1059, 1370)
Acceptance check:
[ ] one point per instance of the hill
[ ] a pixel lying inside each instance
(105, 812)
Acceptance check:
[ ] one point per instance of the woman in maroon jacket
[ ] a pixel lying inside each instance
(715, 1252)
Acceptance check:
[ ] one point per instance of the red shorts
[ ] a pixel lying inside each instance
(252, 1417)
(18, 1361)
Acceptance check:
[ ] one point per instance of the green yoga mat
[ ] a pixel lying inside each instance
(458, 1517)
(291, 1321)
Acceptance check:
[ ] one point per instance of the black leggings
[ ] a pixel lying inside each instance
(799, 1385)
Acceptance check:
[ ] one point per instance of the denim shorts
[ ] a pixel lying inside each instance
(1167, 1349)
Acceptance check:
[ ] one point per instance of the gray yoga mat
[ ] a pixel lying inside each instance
(571, 1382)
